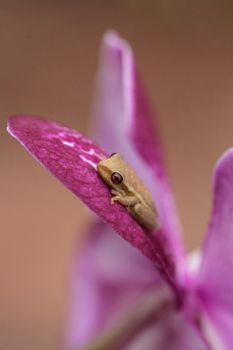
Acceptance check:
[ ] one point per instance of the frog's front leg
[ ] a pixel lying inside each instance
(127, 201)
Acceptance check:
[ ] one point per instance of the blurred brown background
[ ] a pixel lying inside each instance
(48, 58)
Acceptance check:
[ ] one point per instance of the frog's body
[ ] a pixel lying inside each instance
(129, 191)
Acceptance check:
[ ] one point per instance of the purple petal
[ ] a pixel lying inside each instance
(215, 279)
(108, 278)
(73, 158)
(124, 124)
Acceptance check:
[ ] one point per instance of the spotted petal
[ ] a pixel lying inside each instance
(124, 124)
(215, 279)
(73, 159)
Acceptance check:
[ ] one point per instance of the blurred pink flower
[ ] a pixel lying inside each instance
(110, 277)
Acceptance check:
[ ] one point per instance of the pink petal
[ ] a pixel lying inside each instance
(108, 278)
(215, 279)
(73, 158)
(124, 124)
(113, 279)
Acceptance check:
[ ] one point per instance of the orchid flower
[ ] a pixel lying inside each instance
(142, 292)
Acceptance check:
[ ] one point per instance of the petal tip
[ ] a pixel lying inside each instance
(8, 127)
(228, 153)
(10, 123)
(112, 40)
(14, 121)
(225, 159)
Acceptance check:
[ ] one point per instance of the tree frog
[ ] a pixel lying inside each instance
(128, 190)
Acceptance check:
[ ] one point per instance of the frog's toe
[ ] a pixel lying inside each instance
(114, 192)
(113, 199)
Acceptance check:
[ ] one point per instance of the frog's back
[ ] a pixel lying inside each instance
(139, 187)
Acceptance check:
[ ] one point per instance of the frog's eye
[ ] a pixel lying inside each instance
(116, 178)
(113, 154)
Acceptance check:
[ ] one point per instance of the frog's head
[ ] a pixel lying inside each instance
(112, 171)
